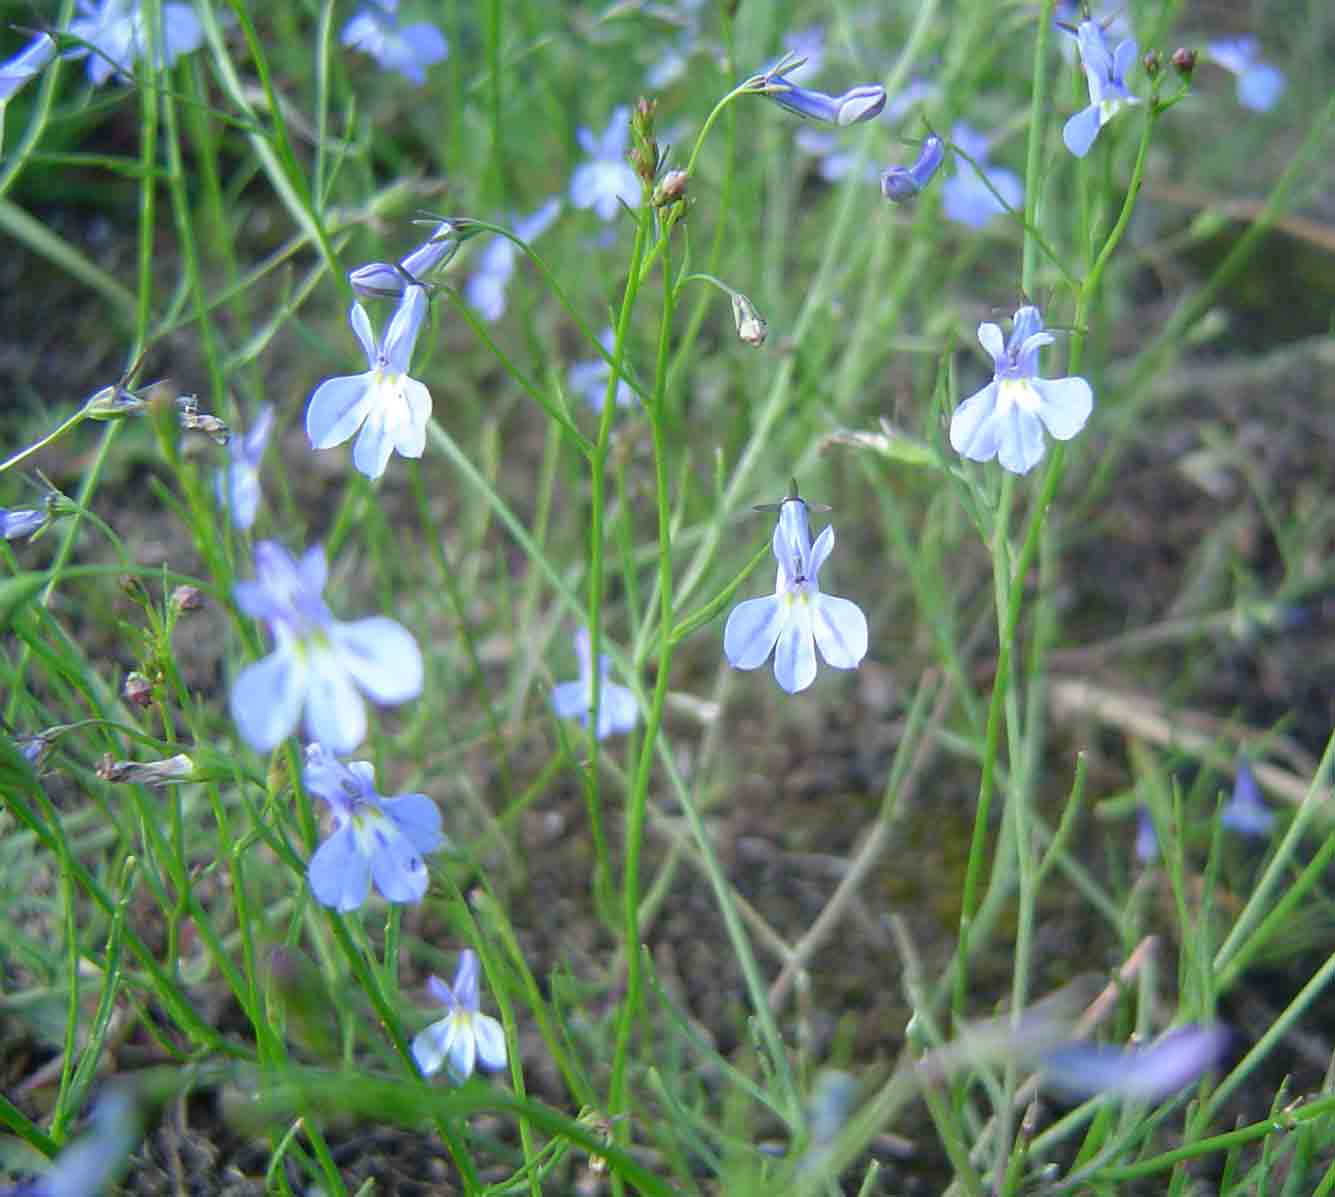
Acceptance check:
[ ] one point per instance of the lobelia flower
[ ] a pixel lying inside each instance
(617, 708)
(1006, 418)
(237, 485)
(375, 838)
(1246, 812)
(465, 1037)
(965, 197)
(857, 104)
(380, 280)
(1259, 84)
(588, 379)
(117, 33)
(1108, 94)
(19, 522)
(797, 618)
(26, 64)
(902, 183)
(97, 1158)
(607, 182)
(1147, 1074)
(408, 49)
(485, 290)
(390, 408)
(320, 666)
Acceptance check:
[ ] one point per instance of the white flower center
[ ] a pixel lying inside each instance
(1017, 392)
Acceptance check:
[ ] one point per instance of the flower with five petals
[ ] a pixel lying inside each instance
(465, 1036)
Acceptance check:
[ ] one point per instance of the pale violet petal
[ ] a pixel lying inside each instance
(989, 336)
(397, 868)
(361, 328)
(617, 710)
(1124, 59)
(490, 1038)
(401, 337)
(752, 630)
(465, 985)
(381, 655)
(410, 438)
(1019, 441)
(1260, 87)
(973, 432)
(1148, 1074)
(461, 1051)
(571, 700)
(431, 1044)
(418, 818)
(337, 409)
(795, 652)
(1028, 323)
(1080, 131)
(1064, 405)
(820, 551)
(375, 443)
(339, 873)
(267, 698)
(840, 630)
(182, 31)
(335, 712)
(255, 441)
(312, 569)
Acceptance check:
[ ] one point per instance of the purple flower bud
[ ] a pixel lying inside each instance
(859, 103)
(433, 253)
(376, 280)
(901, 183)
(20, 522)
(1147, 1074)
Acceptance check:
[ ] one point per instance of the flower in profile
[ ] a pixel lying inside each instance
(1146, 1074)
(1105, 73)
(588, 379)
(965, 197)
(320, 666)
(607, 181)
(797, 618)
(25, 65)
(237, 485)
(1246, 812)
(117, 36)
(857, 104)
(617, 708)
(18, 522)
(465, 1037)
(97, 1158)
(375, 839)
(1259, 84)
(390, 408)
(485, 289)
(1006, 418)
(380, 280)
(902, 183)
(408, 49)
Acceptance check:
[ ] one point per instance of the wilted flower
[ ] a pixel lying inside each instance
(98, 1157)
(617, 709)
(1259, 84)
(965, 197)
(1108, 94)
(751, 325)
(1147, 1074)
(320, 665)
(27, 63)
(797, 618)
(465, 1036)
(902, 183)
(19, 522)
(1006, 418)
(117, 33)
(588, 379)
(390, 408)
(1245, 811)
(375, 839)
(152, 773)
(607, 182)
(237, 484)
(137, 690)
(485, 290)
(408, 49)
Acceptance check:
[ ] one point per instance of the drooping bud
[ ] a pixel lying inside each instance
(1184, 61)
(751, 325)
(858, 104)
(901, 183)
(376, 280)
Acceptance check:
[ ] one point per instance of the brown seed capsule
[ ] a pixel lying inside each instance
(1184, 61)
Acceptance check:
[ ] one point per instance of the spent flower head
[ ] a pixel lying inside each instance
(117, 34)
(1105, 72)
(320, 667)
(617, 708)
(389, 408)
(237, 484)
(465, 1037)
(409, 49)
(375, 838)
(797, 618)
(1006, 418)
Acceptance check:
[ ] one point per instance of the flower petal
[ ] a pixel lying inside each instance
(752, 630)
(465, 987)
(572, 700)
(337, 409)
(375, 443)
(401, 336)
(795, 652)
(973, 429)
(382, 657)
(989, 336)
(267, 698)
(461, 1051)
(397, 866)
(840, 629)
(1020, 444)
(617, 710)
(418, 818)
(410, 436)
(490, 1037)
(1064, 405)
(361, 328)
(339, 873)
(1079, 132)
(335, 713)
(432, 1044)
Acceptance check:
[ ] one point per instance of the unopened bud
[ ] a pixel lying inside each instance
(1152, 62)
(114, 403)
(671, 187)
(433, 253)
(155, 773)
(1184, 61)
(187, 598)
(751, 326)
(376, 280)
(137, 691)
(901, 183)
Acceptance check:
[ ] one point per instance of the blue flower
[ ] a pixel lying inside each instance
(97, 1158)
(1145, 1074)
(1245, 811)
(902, 183)
(965, 198)
(797, 618)
(1147, 839)
(320, 665)
(1006, 418)
(390, 408)
(237, 485)
(1108, 94)
(607, 182)
(617, 711)
(408, 49)
(485, 290)
(375, 839)
(26, 64)
(21, 521)
(464, 1037)
(857, 104)
(117, 31)
(1259, 84)
(588, 379)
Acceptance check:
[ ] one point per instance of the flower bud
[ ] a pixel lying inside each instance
(187, 598)
(1153, 63)
(751, 326)
(671, 187)
(20, 522)
(432, 254)
(376, 280)
(858, 104)
(138, 691)
(901, 183)
(113, 403)
(1184, 61)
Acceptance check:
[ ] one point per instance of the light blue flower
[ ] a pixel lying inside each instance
(465, 1037)
(1259, 84)
(18, 522)
(1246, 812)
(1108, 94)
(617, 710)
(902, 183)
(1144, 1074)
(118, 32)
(606, 182)
(237, 485)
(97, 1158)
(588, 379)
(485, 289)
(408, 49)
(375, 839)
(25, 65)
(965, 198)
(797, 618)
(1006, 418)
(320, 666)
(389, 408)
